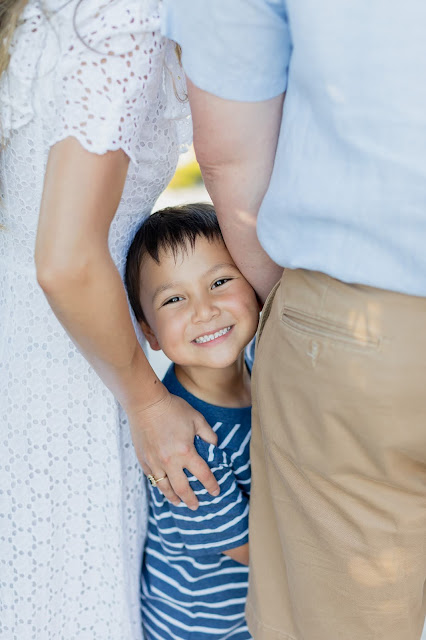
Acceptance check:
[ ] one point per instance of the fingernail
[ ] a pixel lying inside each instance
(216, 492)
(194, 508)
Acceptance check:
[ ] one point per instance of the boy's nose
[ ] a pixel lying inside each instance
(204, 311)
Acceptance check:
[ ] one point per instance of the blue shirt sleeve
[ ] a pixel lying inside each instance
(235, 49)
(220, 523)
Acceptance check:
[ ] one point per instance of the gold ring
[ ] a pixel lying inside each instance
(155, 481)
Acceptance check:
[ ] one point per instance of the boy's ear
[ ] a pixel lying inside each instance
(150, 336)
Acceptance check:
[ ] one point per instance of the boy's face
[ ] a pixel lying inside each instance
(200, 310)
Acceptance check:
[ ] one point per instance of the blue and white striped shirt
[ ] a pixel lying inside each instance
(190, 590)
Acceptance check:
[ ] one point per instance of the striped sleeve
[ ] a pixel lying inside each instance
(221, 522)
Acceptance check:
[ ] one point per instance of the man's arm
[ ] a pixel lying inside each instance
(235, 143)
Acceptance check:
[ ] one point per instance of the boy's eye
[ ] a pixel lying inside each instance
(173, 300)
(220, 282)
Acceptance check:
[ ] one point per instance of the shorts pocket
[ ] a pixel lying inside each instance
(356, 336)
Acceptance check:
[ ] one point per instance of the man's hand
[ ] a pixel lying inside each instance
(163, 436)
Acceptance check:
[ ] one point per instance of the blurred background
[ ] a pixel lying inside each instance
(186, 186)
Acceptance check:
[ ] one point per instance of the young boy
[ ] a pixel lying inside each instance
(193, 303)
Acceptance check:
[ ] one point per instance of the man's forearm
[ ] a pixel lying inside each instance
(237, 217)
(235, 143)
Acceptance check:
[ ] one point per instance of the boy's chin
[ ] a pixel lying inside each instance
(212, 363)
(219, 365)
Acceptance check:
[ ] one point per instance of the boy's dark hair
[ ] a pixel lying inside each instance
(170, 229)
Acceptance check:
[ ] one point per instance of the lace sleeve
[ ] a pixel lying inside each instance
(98, 72)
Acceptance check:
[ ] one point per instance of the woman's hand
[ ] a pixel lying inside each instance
(163, 436)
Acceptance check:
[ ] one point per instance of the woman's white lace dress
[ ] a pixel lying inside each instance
(72, 501)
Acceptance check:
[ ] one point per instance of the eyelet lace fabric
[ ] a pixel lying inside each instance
(72, 498)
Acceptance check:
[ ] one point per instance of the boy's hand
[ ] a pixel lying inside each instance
(163, 436)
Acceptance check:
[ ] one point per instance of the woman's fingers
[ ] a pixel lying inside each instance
(164, 443)
(145, 468)
(178, 488)
(177, 484)
(167, 491)
(201, 470)
(162, 483)
(204, 430)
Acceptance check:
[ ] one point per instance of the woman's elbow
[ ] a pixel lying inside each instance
(57, 273)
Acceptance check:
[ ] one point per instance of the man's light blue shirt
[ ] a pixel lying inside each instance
(348, 192)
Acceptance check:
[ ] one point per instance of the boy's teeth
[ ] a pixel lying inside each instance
(212, 336)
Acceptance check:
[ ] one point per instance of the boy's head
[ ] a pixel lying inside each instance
(186, 291)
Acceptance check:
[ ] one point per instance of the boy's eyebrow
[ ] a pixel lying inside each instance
(221, 265)
(164, 287)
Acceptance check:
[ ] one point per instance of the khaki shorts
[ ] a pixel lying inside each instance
(338, 506)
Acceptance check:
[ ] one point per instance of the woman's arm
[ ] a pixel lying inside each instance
(75, 270)
(235, 143)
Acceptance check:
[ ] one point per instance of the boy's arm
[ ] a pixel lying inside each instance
(221, 523)
(239, 554)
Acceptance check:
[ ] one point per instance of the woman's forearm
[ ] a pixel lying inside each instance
(91, 304)
(75, 269)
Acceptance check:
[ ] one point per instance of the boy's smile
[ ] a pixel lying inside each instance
(213, 337)
(200, 310)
